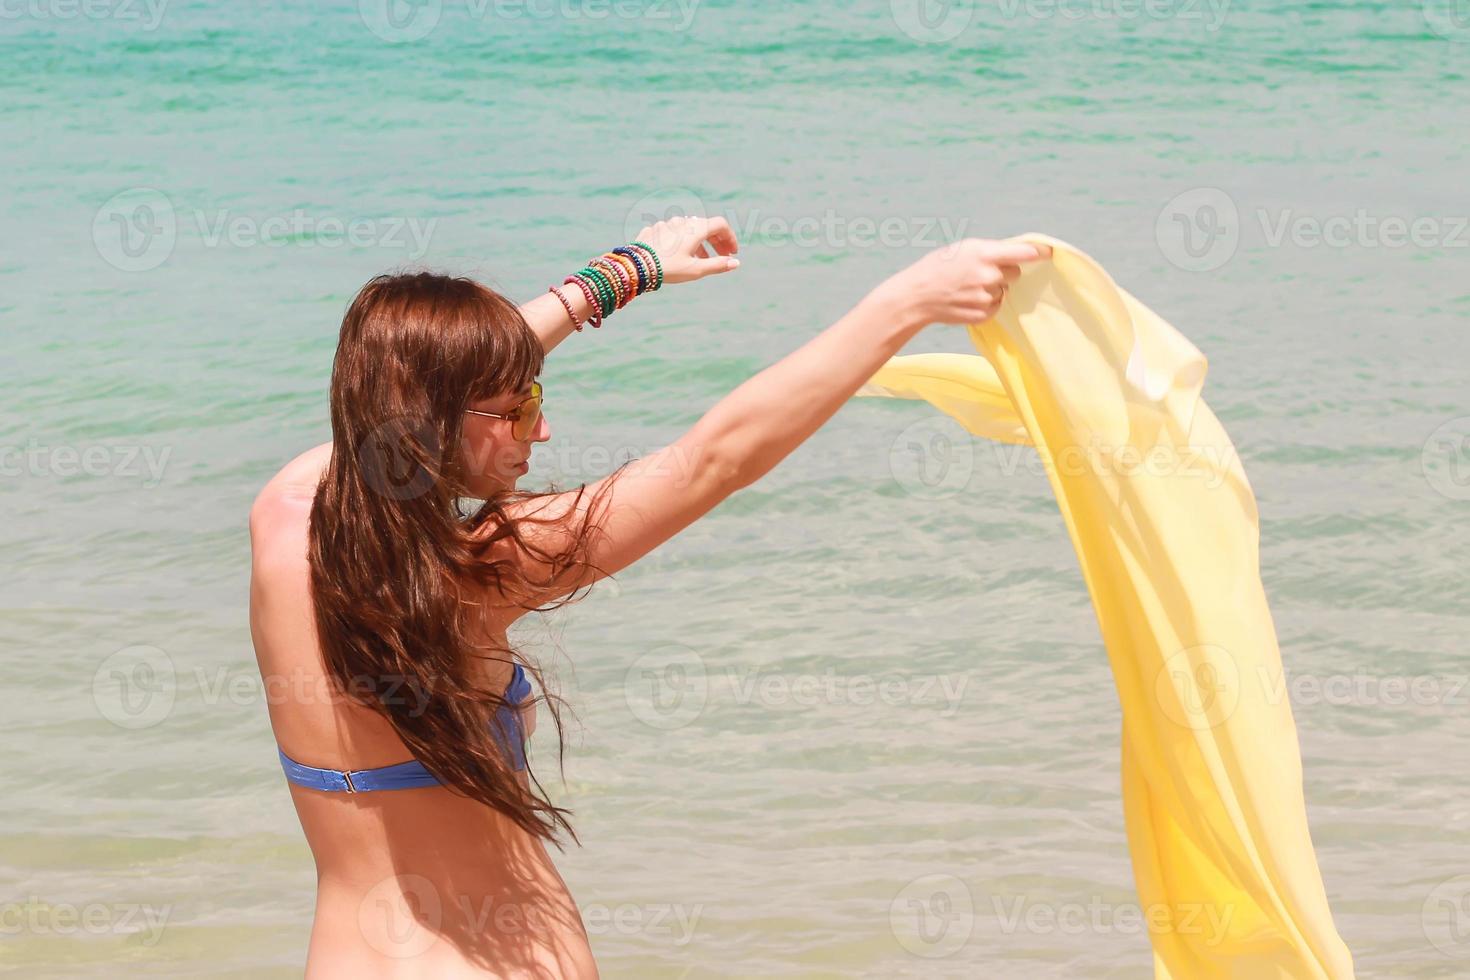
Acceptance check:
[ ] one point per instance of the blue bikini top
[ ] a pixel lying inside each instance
(412, 774)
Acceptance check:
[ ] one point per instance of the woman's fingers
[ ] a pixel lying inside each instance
(721, 238)
(720, 235)
(683, 242)
(1015, 253)
(718, 263)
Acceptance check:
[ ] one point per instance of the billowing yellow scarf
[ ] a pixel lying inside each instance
(1166, 531)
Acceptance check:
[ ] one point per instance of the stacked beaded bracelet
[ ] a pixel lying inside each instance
(613, 280)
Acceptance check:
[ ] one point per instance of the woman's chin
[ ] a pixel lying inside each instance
(487, 485)
(483, 488)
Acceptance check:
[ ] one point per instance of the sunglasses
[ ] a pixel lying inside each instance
(524, 416)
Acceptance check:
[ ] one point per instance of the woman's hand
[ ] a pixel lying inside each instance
(962, 282)
(679, 243)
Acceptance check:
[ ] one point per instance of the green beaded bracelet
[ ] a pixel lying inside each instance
(657, 265)
(614, 276)
(604, 288)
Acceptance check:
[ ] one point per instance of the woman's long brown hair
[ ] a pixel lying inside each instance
(399, 575)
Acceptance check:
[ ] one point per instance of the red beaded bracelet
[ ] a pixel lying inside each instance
(566, 305)
(595, 317)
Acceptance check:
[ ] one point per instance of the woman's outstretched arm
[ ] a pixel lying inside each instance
(650, 499)
(679, 243)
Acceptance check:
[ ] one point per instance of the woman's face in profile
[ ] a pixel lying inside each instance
(494, 458)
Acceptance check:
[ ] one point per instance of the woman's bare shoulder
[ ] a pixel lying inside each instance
(280, 511)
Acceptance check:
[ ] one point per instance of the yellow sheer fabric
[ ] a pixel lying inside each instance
(1166, 531)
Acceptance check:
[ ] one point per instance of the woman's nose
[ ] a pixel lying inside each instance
(543, 429)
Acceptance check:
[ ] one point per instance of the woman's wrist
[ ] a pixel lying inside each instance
(895, 301)
(610, 282)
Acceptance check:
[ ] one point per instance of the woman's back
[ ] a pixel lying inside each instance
(414, 882)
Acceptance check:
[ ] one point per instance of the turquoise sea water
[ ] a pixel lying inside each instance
(858, 721)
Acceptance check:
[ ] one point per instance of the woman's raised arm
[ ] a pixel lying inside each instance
(758, 424)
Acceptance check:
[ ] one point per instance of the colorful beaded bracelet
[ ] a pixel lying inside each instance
(566, 304)
(629, 269)
(594, 317)
(636, 258)
(615, 276)
(604, 286)
(612, 280)
(657, 265)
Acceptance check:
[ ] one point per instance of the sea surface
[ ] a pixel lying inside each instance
(858, 721)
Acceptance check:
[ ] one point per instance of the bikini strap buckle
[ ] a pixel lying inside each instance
(350, 787)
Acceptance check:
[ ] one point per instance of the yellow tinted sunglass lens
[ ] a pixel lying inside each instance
(528, 414)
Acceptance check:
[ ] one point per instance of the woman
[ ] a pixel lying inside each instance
(380, 603)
